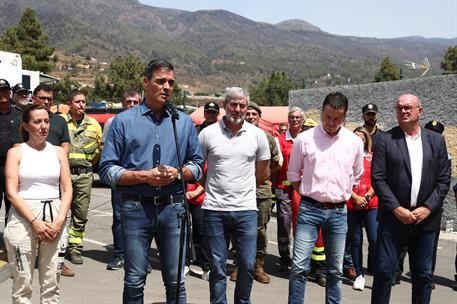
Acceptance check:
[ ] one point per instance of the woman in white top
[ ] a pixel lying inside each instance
(39, 187)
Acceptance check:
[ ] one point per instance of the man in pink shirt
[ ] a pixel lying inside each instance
(326, 162)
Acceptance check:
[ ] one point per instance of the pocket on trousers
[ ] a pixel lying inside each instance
(130, 205)
(342, 211)
(178, 207)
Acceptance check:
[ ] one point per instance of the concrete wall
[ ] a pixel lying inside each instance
(439, 100)
(438, 95)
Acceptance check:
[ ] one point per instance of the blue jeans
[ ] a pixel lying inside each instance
(141, 222)
(392, 236)
(242, 226)
(310, 218)
(116, 228)
(355, 221)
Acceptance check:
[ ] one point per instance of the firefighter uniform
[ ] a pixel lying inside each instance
(284, 192)
(85, 143)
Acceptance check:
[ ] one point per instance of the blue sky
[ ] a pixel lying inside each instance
(363, 18)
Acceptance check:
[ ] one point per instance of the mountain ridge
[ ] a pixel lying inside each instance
(213, 49)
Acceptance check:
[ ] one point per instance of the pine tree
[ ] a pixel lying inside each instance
(273, 90)
(125, 74)
(63, 88)
(388, 71)
(28, 40)
(449, 63)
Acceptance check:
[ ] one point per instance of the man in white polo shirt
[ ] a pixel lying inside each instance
(237, 156)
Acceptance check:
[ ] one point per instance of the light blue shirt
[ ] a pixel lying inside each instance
(136, 141)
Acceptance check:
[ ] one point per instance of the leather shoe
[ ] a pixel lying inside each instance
(66, 272)
(350, 273)
(321, 279)
(233, 275)
(261, 277)
(116, 263)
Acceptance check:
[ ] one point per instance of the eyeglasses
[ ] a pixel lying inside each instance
(407, 109)
(44, 98)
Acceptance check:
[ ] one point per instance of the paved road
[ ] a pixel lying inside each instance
(94, 284)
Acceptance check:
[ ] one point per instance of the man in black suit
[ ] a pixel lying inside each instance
(411, 174)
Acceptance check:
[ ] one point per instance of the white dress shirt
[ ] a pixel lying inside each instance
(414, 144)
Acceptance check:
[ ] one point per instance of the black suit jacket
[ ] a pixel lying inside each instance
(391, 175)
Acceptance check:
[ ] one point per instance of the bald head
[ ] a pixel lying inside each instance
(410, 97)
(409, 112)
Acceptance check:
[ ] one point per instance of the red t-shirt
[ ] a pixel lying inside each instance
(364, 186)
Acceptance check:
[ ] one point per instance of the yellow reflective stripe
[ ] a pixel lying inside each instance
(318, 257)
(75, 233)
(90, 145)
(75, 240)
(81, 156)
(318, 249)
(286, 183)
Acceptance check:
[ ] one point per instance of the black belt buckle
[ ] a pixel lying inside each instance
(156, 200)
(159, 201)
(165, 200)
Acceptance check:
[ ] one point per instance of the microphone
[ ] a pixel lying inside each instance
(170, 108)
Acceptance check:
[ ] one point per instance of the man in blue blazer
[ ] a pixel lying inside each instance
(411, 175)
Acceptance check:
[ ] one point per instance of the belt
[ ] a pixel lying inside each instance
(47, 203)
(80, 170)
(156, 200)
(324, 205)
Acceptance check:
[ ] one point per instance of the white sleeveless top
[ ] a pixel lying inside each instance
(39, 173)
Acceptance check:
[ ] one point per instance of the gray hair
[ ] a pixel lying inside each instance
(233, 92)
(297, 109)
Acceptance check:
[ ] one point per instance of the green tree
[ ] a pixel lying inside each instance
(449, 63)
(101, 90)
(179, 96)
(273, 90)
(29, 40)
(63, 88)
(388, 71)
(125, 74)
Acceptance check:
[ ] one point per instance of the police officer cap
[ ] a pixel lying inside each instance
(253, 105)
(19, 88)
(4, 84)
(370, 108)
(435, 125)
(211, 107)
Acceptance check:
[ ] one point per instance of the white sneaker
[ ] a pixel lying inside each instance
(359, 283)
(205, 275)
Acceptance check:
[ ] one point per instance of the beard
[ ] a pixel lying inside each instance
(23, 102)
(234, 119)
(371, 122)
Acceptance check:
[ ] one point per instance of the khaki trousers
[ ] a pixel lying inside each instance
(23, 248)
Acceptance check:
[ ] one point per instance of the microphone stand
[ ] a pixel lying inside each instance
(183, 217)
